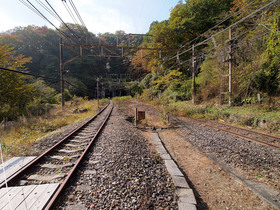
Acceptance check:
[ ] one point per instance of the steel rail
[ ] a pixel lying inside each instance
(78, 162)
(26, 168)
(254, 132)
(237, 134)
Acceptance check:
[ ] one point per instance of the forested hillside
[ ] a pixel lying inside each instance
(42, 45)
(205, 24)
(200, 42)
(35, 50)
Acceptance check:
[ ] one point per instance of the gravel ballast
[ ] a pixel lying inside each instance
(257, 159)
(121, 172)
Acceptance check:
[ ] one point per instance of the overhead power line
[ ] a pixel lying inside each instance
(218, 24)
(43, 77)
(39, 13)
(29, 74)
(234, 24)
(206, 40)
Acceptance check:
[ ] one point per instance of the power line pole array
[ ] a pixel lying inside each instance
(61, 70)
(193, 74)
(230, 70)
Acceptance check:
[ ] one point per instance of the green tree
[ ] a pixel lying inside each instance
(15, 92)
(268, 78)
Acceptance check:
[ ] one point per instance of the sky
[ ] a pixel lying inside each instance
(100, 16)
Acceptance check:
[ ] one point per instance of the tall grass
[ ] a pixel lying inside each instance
(17, 139)
(122, 101)
(246, 115)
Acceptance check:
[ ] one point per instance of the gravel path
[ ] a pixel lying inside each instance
(122, 172)
(258, 160)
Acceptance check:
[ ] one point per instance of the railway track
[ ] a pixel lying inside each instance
(60, 162)
(262, 138)
(236, 151)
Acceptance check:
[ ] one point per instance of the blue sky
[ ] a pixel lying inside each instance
(100, 16)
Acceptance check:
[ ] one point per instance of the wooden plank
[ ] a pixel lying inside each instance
(27, 197)
(8, 196)
(39, 197)
(16, 196)
(22, 195)
(13, 165)
(3, 192)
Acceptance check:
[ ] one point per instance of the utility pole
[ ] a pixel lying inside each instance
(222, 93)
(193, 75)
(230, 70)
(97, 89)
(61, 69)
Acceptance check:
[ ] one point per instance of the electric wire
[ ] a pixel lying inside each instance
(77, 13)
(54, 14)
(206, 40)
(73, 32)
(179, 54)
(196, 45)
(81, 20)
(43, 77)
(29, 74)
(201, 43)
(228, 17)
(70, 12)
(34, 9)
(48, 10)
(73, 18)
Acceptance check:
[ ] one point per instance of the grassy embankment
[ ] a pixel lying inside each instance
(264, 116)
(17, 139)
(256, 116)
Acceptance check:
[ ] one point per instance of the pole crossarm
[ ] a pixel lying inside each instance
(72, 59)
(119, 47)
(115, 51)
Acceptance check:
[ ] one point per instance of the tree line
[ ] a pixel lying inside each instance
(254, 50)
(168, 74)
(35, 50)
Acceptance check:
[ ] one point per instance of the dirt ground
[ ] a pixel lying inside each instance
(214, 188)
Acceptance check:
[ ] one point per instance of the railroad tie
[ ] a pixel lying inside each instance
(71, 151)
(79, 141)
(64, 157)
(46, 178)
(75, 145)
(54, 166)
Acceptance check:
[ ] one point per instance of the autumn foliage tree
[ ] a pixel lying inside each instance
(15, 92)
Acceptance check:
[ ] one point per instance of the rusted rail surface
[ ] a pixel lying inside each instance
(251, 131)
(29, 168)
(241, 135)
(78, 162)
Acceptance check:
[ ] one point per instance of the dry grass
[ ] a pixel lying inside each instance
(19, 137)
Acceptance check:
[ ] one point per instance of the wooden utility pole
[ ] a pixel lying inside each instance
(230, 70)
(97, 89)
(222, 93)
(61, 69)
(135, 117)
(193, 75)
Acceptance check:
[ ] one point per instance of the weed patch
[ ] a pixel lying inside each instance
(18, 139)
